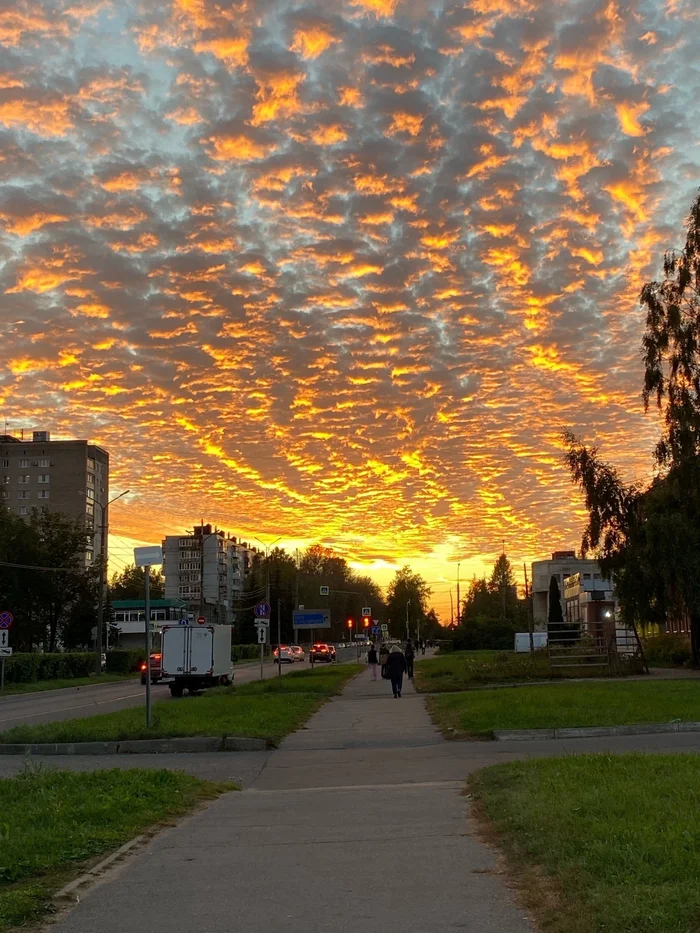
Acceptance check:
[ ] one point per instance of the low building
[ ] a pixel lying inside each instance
(129, 618)
(562, 565)
(589, 603)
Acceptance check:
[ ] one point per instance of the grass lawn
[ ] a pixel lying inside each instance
(464, 669)
(597, 843)
(264, 710)
(39, 685)
(54, 822)
(479, 712)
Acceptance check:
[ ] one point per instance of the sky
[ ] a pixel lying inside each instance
(342, 272)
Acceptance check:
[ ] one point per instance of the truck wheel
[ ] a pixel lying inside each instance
(176, 690)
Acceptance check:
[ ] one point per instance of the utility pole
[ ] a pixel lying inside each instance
(279, 636)
(458, 603)
(407, 632)
(147, 574)
(530, 618)
(452, 611)
(104, 527)
(503, 585)
(201, 568)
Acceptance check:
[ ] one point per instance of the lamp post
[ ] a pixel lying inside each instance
(103, 575)
(407, 632)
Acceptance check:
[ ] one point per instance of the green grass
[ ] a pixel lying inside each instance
(40, 685)
(54, 822)
(464, 669)
(479, 712)
(599, 844)
(264, 710)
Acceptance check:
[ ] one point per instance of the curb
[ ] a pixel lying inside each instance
(189, 745)
(584, 732)
(70, 891)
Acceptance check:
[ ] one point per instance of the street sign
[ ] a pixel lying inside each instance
(263, 610)
(148, 556)
(325, 591)
(310, 618)
(376, 630)
(4, 638)
(6, 619)
(5, 652)
(385, 627)
(263, 622)
(366, 611)
(201, 620)
(262, 635)
(183, 621)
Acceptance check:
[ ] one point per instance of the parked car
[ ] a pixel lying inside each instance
(298, 653)
(284, 655)
(156, 669)
(322, 652)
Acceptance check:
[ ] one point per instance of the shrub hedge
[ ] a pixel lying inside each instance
(667, 650)
(245, 652)
(29, 667)
(124, 661)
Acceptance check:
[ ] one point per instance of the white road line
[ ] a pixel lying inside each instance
(67, 709)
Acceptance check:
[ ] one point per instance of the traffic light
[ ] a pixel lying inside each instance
(366, 620)
(349, 623)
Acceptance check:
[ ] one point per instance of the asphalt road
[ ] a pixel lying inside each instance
(78, 702)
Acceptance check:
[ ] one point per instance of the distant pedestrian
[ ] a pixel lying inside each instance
(410, 654)
(372, 660)
(383, 657)
(422, 646)
(396, 666)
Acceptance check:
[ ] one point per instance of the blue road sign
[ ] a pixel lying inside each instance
(6, 620)
(320, 618)
(376, 630)
(262, 611)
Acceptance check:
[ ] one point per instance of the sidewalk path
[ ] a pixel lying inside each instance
(356, 824)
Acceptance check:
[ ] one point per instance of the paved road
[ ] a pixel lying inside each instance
(78, 702)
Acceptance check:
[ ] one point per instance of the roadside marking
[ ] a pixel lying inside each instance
(66, 709)
(345, 787)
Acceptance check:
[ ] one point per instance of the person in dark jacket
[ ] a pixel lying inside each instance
(372, 661)
(395, 666)
(410, 654)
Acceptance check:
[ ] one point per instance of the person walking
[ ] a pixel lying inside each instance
(410, 655)
(422, 646)
(383, 657)
(372, 660)
(396, 666)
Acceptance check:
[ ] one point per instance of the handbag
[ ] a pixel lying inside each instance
(385, 673)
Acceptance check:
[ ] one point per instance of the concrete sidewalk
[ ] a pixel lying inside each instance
(353, 826)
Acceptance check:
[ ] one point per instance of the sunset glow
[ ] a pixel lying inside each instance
(342, 272)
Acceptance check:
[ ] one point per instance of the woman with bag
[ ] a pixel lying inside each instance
(372, 660)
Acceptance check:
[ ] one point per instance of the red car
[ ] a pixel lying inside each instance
(156, 669)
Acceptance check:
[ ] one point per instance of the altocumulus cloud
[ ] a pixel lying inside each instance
(341, 270)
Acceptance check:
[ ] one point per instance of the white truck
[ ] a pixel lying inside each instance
(196, 657)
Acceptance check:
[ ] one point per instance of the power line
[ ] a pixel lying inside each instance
(5, 563)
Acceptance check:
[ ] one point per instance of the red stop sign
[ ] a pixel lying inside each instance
(201, 620)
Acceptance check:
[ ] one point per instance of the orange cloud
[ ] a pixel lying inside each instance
(312, 41)
(237, 148)
(402, 122)
(277, 96)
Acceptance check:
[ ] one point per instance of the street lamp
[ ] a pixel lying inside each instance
(267, 600)
(407, 632)
(103, 580)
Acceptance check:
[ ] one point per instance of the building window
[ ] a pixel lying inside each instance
(23, 510)
(88, 556)
(23, 463)
(23, 480)
(6, 463)
(43, 494)
(91, 479)
(89, 508)
(44, 462)
(4, 494)
(6, 479)
(586, 576)
(119, 617)
(43, 477)
(23, 494)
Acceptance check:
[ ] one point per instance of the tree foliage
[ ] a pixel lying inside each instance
(131, 583)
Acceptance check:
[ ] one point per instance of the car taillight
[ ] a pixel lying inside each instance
(143, 666)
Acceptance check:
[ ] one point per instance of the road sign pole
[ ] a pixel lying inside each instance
(2, 675)
(147, 573)
(279, 637)
(262, 659)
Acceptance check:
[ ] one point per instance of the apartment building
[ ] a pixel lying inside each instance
(64, 476)
(562, 565)
(207, 569)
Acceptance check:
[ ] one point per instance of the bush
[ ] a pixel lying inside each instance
(28, 668)
(125, 661)
(673, 650)
(445, 647)
(245, 652)
(484, 633)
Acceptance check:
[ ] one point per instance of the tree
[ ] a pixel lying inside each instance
(131, 583)
(555, 617)
(407, 598)
(502, 584)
